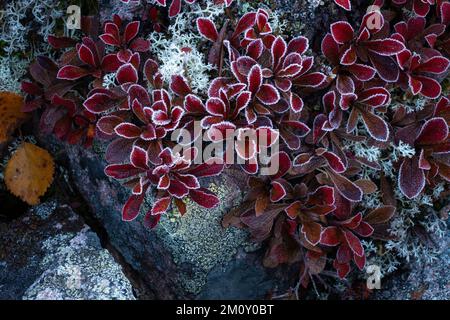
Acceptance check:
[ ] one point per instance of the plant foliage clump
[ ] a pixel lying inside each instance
(341, 161)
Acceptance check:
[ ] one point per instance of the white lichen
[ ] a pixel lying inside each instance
(415, 214)
(402, 150)
(180, 53)
(23, 17)
(109, 80)
(411, 104)
(12, 69)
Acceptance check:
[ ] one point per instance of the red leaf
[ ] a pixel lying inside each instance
(430, 87)
(268, 94)
(71, 73)
(411, 178)
(435, 65)
(122, 171)
(193, 104)
(349, 56)
(354, 243)
(352, 222)
(215, 107)
(312, 80)
(61, 42)
(178, 189)
(434, 131)
(112, 28)
(108, 39)
(207, 29)
(127, 74)
(254, 79)
(243, 100)
(330, 237)
(298, 45)
(344, 254)
(98, 103)
(189, 181)
(345, 4)
(323, 195)
(312, 231)
(131, 31)
(375, 125)
(346, 188)
(342, 32)
(277, 192)
(364, 229)
(284, 164)
(139, 158)
(86, 55)
(334, 162)
(247, 21)
(107, 124)
(175, 8)
(209, 169)
(278, 51)
(445, 13)
(386, 67)
(255, 49)
(140, 45)
(385, 47)
(161, 205)
(362, 72)
(128, 130)
(296, 103)
(110, 63)
(360, 261)
(380, 215)
(132, 207)
(342, 269)
(204, 198)
(151, 221)
(330, 49)
(180, 86)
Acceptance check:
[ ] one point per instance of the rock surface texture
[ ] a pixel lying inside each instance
(51, 254)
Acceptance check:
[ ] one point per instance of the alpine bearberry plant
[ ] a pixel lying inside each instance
(314, 208)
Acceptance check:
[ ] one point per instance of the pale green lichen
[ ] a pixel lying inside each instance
(198, 239)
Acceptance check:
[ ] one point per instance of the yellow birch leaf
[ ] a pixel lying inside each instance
(29, 173)
(11, 115)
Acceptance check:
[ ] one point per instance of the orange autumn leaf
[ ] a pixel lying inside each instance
(29, 173)
(11, 115)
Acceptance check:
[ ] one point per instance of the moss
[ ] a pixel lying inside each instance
(198, 240)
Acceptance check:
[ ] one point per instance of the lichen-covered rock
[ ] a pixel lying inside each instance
(184, 257)
(51, 254)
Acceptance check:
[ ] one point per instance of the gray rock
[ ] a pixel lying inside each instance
(51, 254)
